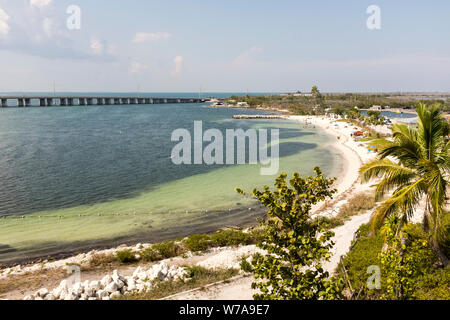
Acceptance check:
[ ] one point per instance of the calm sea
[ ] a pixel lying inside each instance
(73, 178)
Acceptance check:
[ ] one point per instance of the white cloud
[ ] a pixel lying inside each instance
(137, 67)
(144, 37)
(4, 26)
(178, 64)
(245, 58)
(40, 3)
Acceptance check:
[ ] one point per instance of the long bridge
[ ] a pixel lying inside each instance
(66, 101)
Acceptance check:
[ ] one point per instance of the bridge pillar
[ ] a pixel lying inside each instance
(3, 103)
(140, 101)
(27, 102)
(42, 102)
(20, 102)
(63, 102)
(49, 102)
(99, 101)
(70, 101)
(89, 101)
(117, 101)
(81, 101)
(108, 101)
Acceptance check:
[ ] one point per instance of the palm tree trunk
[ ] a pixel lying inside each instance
(438, 252)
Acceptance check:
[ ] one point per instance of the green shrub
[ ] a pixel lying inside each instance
(150, 255)
(197, 242)
(126, 256)
(434, 285)
(246, 266)
(230, 238)
(167, 249)
(364, 254)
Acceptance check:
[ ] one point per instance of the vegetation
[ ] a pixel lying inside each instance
(317, 103)
(356, 205)
(407, 269)
(295, 244)
(199, 277)
(420, 168)
(126, 256)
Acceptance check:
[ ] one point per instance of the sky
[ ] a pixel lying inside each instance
(224, 46)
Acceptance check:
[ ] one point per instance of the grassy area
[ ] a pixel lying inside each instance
(358, 204)
(199, 277)
(170, 249)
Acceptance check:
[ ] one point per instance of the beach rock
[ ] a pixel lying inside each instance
(136, 272)
(92, 299)
(70, 296)
(106, 280)
(115, 295)
(42, 293)
(30, 297)
(120, 284)
(95, 285)
(50, 297)
(106, 298)
(101, 294)
(112, 287)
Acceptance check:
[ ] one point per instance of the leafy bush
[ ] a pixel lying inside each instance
(245, 265)
(126, 256)
(434, 285)
(295, 244)
(197, 242)
(230, 238)
(150, 255)
(167, 249)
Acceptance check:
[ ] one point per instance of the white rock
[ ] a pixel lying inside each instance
(95, 285)
(106, 280)
(101, 294)
(106, 298)
(93, 299)
(50, 297)
(115, 295)
(136, 272)
(42, 293)
(30, 297)
(115, 275)
(112, 287)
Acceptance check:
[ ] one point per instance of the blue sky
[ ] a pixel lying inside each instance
(184, 45)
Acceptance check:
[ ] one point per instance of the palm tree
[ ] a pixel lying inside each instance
(415, 165)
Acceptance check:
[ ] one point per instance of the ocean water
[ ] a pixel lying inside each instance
(74, 178)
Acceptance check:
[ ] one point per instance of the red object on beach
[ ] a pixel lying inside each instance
(358, 133)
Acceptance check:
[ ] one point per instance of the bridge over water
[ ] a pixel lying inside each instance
(64, 101)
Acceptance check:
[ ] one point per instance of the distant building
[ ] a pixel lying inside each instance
(242, 104)
(376, 108)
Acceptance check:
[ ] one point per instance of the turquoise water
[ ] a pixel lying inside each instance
(78, 177)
